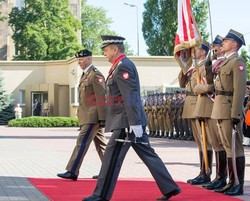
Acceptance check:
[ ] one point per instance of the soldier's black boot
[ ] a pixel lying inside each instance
(156, 134)
(230, 176)
(166, 134)
(221, 172)
(237, 189)
(180, 136)
(176, 136)
(203, 177)
(171, 135)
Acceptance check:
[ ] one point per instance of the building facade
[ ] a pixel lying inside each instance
(7, 46)
(57, 81)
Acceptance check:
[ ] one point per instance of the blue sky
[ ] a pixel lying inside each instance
(226, 14)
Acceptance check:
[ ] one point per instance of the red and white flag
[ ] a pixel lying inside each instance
(187, 35)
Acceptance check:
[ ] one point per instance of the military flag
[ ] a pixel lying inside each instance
(187, 35)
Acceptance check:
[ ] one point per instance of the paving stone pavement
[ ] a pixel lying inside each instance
(44, 152)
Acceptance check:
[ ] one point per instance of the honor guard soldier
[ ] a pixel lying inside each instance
(189, 80)
(203, 111)
(127, 122)
(160, 116)
(154, 111)
(150, 117)
(91, 114)
(230, 89)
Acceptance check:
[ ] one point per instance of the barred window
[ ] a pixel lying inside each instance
(22, 97)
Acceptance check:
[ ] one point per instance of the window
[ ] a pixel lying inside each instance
(22, 97)
(20, 4)
(72, 95)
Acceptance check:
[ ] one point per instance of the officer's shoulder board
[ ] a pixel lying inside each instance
(95, 69)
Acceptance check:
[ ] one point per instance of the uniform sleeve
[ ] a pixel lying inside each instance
(128, 84)
(99, 90)
(239, 88)
(182, 79)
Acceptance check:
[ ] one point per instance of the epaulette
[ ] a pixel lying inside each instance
(95, 69)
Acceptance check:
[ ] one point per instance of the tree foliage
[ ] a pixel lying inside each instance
(94, 24)
(2, 17)
(6, 106)
(44, 30)
(160, 24)
(246, 56)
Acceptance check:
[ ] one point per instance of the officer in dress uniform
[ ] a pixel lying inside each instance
(203, 111)
(91, 113)
(189, 80)
(230, 89)
(126, 121)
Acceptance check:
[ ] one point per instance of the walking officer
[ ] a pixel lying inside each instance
(126, 121)
(91, 114)
(230, 89)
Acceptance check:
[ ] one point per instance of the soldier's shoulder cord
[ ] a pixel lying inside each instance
(95, 69)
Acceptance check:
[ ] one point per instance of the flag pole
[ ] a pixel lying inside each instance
(203, 130)
(210, 21)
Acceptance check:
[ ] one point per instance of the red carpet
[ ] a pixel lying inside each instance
(126, 190)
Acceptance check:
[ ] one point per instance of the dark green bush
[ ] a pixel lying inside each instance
(44, 122)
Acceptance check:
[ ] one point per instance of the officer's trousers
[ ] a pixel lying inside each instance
(226, 136)
(88, 133)
(113, 159)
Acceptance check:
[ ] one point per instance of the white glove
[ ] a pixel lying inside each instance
(137, 129)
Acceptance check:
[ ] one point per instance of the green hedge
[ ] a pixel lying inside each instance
(44, 122)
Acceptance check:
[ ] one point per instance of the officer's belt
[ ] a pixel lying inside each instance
(190, 93)
(224, 93)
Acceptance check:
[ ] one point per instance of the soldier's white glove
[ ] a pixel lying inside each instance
(137, 129)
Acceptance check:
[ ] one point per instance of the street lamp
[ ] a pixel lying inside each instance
(135, 6)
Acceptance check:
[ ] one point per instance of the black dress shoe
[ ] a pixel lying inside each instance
(216, 184)
(95, 177)
(235, 190)
(225, 188)
(170, 194)
(201, 179)
(93, 198)
(68, 175)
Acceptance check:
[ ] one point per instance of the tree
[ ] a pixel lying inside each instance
(1, 17)
(246, 57)
(94, 24)
(160, 24)
(6, 106)
(44, 30)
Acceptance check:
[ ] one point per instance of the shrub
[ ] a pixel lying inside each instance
(44, 122)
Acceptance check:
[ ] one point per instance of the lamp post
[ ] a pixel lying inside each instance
(135, 6)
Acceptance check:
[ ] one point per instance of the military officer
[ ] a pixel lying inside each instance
(189, 80)
(203, 111)
(155, 119)
(91, 113)
(123, 81)
(160, 117)
(230, 89)
(150, 118)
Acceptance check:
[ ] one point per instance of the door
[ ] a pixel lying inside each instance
(39, 97)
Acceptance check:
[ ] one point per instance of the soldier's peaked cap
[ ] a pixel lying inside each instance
(218, 40)
(83, 53)
(205, 46)
(234, 35)
(109, 40)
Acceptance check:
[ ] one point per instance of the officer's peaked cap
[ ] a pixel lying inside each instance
(205, 46)
(109, 40)
(218, 40)
(83, 53)
(234, 35)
